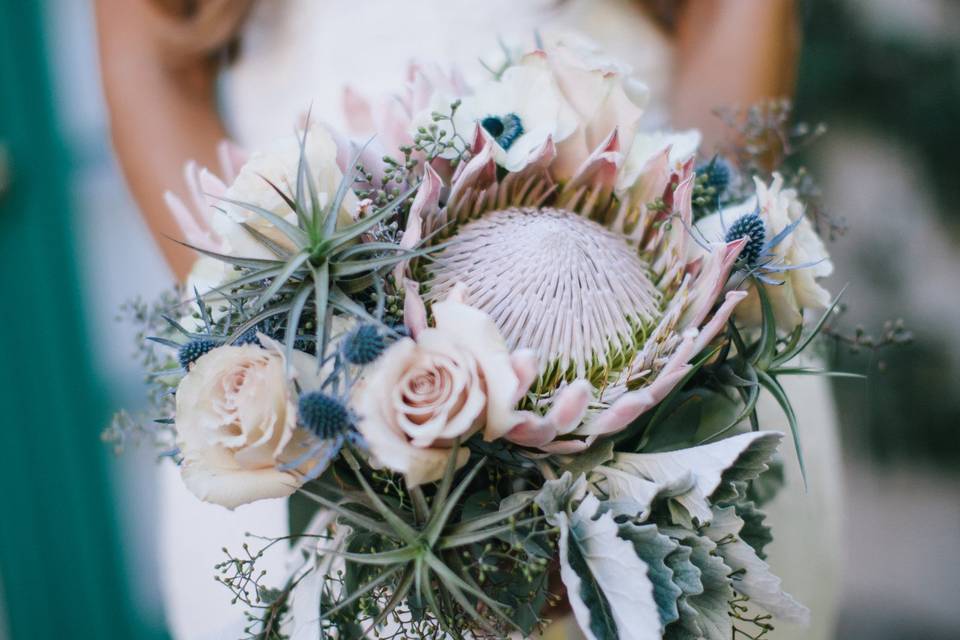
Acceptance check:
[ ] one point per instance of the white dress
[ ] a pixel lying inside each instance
(299, 54)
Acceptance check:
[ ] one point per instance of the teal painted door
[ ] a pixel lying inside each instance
(60, 560)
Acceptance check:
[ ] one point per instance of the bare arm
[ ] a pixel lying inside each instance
(732, 53)
(162, 108)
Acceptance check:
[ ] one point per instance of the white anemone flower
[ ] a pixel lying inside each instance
(520, 111)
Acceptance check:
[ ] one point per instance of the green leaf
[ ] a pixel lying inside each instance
(357, 593)
(387, 558)
(249, 278)
(321, 296)
(463, 539)
(352, 517)
(394, 521)
(399, 593)
(667, 404)
(333, 208)
(365, 224)
(766, 487)
(300, 511)
(458, 586)
(354, 267)
(275, 248)
(247, 263)
(800, 371)
(749, 392)
(481, 522)
(790, 354)
(766, 348)
(289, 270)
(770, 384)
(438, 519)
(250, 323)
(586, 461)
(296, 235)
(290, 202)
(293, 318)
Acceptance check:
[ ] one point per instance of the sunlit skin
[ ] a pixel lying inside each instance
(160, 84)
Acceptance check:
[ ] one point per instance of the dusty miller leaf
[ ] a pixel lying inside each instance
(696, 474)
(753, 576)
(605, 579)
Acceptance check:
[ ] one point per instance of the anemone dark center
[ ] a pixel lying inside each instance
(504, 129)
(553, 281)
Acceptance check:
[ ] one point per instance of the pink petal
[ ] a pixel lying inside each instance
(426, 200)
(632, 405)
(600, 169)
(719, 319)
(709, 284)
(357, 112)
(572, 152)
(213, 191)
(395, 125)
(193, 233)
(524, 363)
(232, 157)
(533, 431)
(654, 177)
(414, 311)
(479, 173)
(566, 447)
(570, 405)
(543, 156)
(683, 353)
(621, 413)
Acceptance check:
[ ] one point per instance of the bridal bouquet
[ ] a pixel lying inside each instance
(503, 349)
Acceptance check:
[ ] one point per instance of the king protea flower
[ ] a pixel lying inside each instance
(589, 275)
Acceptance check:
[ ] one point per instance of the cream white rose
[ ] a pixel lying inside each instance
(645, 148)
(236, 422)
(800, 291)
(602, 91)
(453, 381)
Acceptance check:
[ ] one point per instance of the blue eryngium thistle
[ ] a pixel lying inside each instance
(717, 172)
(363, 345)
(188, 353)
(324, 415)
(248, 337)
(750, 226)
(504, 129)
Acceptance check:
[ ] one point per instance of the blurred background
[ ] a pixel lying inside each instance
(79, 525)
